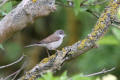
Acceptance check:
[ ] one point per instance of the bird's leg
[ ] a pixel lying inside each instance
(56, 51)
(48, 53)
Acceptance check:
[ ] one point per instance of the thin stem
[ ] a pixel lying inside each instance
(1, 67)
(101, 72)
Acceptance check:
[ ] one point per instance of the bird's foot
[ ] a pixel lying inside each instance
(48, 53)
(57, 50)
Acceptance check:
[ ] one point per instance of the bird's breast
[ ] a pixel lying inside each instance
(54, 45)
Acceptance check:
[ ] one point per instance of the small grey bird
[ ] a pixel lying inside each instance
(51, 42)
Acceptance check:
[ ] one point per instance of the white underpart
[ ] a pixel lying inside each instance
(54, 45)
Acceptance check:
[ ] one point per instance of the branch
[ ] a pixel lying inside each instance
(96, 3)
(16, 73)
(93, 13)
(55, 62)
(70, 3)
(23, 14)
(5, 66)
(115, 25)
(22, 67)
(101, 72)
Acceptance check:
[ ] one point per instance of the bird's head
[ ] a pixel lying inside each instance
(60, 33)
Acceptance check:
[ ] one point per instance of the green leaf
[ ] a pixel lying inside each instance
(48, 76)
(64, 1)
(64, 76)
(77, 6)
(1, 46)
(90, 1)
(7, 7)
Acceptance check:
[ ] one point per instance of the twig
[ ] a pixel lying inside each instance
(96, 3)
(115, 25)
(64, 5)
(16, 73)
(101, 72)
(23, 66)
(10, 75)
(1, 67)
(81, 4)
(93, 13)
(3, 2)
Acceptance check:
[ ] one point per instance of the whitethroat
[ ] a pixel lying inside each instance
(51, 42)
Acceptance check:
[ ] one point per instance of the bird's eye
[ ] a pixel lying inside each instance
(61, 32)
(50, 3)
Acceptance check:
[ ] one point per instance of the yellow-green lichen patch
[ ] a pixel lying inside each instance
(45, 60)
(64, 51)
(114, 7)
(82, 44)
(93, 33)
(52, 56)
(23, 78)
(91, 38)
(32, 77)
(100, 24)
(71, 52)
(34, 0)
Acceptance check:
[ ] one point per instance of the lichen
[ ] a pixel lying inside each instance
(34, 0)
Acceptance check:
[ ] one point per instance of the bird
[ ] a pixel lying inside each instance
(52, 42)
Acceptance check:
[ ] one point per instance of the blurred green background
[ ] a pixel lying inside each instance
(77, 24)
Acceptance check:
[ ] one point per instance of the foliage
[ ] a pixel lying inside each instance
(6, 8)
(49, 76)
(77, 24)
(1, 46)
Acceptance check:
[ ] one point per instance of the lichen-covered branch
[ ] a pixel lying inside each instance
(56, 61)
(23, 14)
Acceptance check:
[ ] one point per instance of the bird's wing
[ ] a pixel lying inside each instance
(51, 38)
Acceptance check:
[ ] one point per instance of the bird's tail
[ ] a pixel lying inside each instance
(31, 45)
